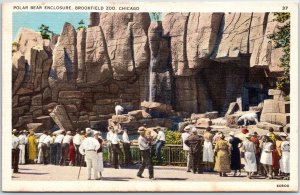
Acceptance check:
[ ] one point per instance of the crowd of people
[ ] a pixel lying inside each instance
(83, 148)
(267, 155)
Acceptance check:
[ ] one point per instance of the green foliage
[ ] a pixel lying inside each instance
(45, 32)
(281, 39)
(173, 137)
(156, 16)
(81, 25)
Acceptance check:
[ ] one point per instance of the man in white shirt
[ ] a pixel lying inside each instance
(77, 140)
(117, 152)
(22, 144)
(40, 144)
(144, 146)
(109, 146)
(57, 146)
(15, 151)
(126, 147)
(46, 147)
(89, 148)
(65, 148)
(184, 136)
(161, 140)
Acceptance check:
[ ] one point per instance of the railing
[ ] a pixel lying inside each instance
(171, 154)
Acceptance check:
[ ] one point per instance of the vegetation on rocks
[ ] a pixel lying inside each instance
(45, 32)
(282, 40)
(81, 25)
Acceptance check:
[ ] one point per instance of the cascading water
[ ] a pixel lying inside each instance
(151, 80)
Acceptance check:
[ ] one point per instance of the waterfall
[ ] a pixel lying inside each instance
(151, 80)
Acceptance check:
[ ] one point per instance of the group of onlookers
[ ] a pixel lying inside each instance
(60, 148)
(267, 155)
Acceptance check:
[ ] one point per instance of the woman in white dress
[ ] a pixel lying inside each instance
(99, 167)
(285, 158)
(266, 155)
(250, 159)
(208, 152)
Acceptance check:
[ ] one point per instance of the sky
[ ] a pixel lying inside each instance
(55, 20)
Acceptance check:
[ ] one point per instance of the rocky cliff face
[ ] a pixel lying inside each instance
(201, 62)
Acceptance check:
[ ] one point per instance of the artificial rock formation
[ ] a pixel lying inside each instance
(201, 62)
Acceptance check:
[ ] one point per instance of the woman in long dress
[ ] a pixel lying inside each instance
(285, 158)
(32, 148)
(72, 153)
(250, 159)
(97, 136)
(266, 155)
(235, 153)
(222, 151)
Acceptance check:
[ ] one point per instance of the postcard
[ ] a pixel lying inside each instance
(150, 97)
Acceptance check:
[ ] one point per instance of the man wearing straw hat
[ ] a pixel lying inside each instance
(89, 148)
(144, 146)
(195, 142)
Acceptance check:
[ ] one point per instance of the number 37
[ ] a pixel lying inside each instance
(284, 7)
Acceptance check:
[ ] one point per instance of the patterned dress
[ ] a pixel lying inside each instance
(222, 149)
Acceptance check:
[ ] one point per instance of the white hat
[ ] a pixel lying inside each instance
(231, 133)
(69, 132)
(88, 130)
(14, 131)
(96, 132)
(248, 135)
(194, 129)
(283, 134)
(187, 128)
(268, 134)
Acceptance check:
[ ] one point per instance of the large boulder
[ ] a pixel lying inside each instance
(61, 118)
(267, 126)
(156, 106)
(274, 106)
(139, 114)
(210, 115)
(97, 62)
(277, 94)
(122, 118)
(233, 107)
(65, 62)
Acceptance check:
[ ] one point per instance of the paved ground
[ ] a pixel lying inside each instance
(37, 172)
